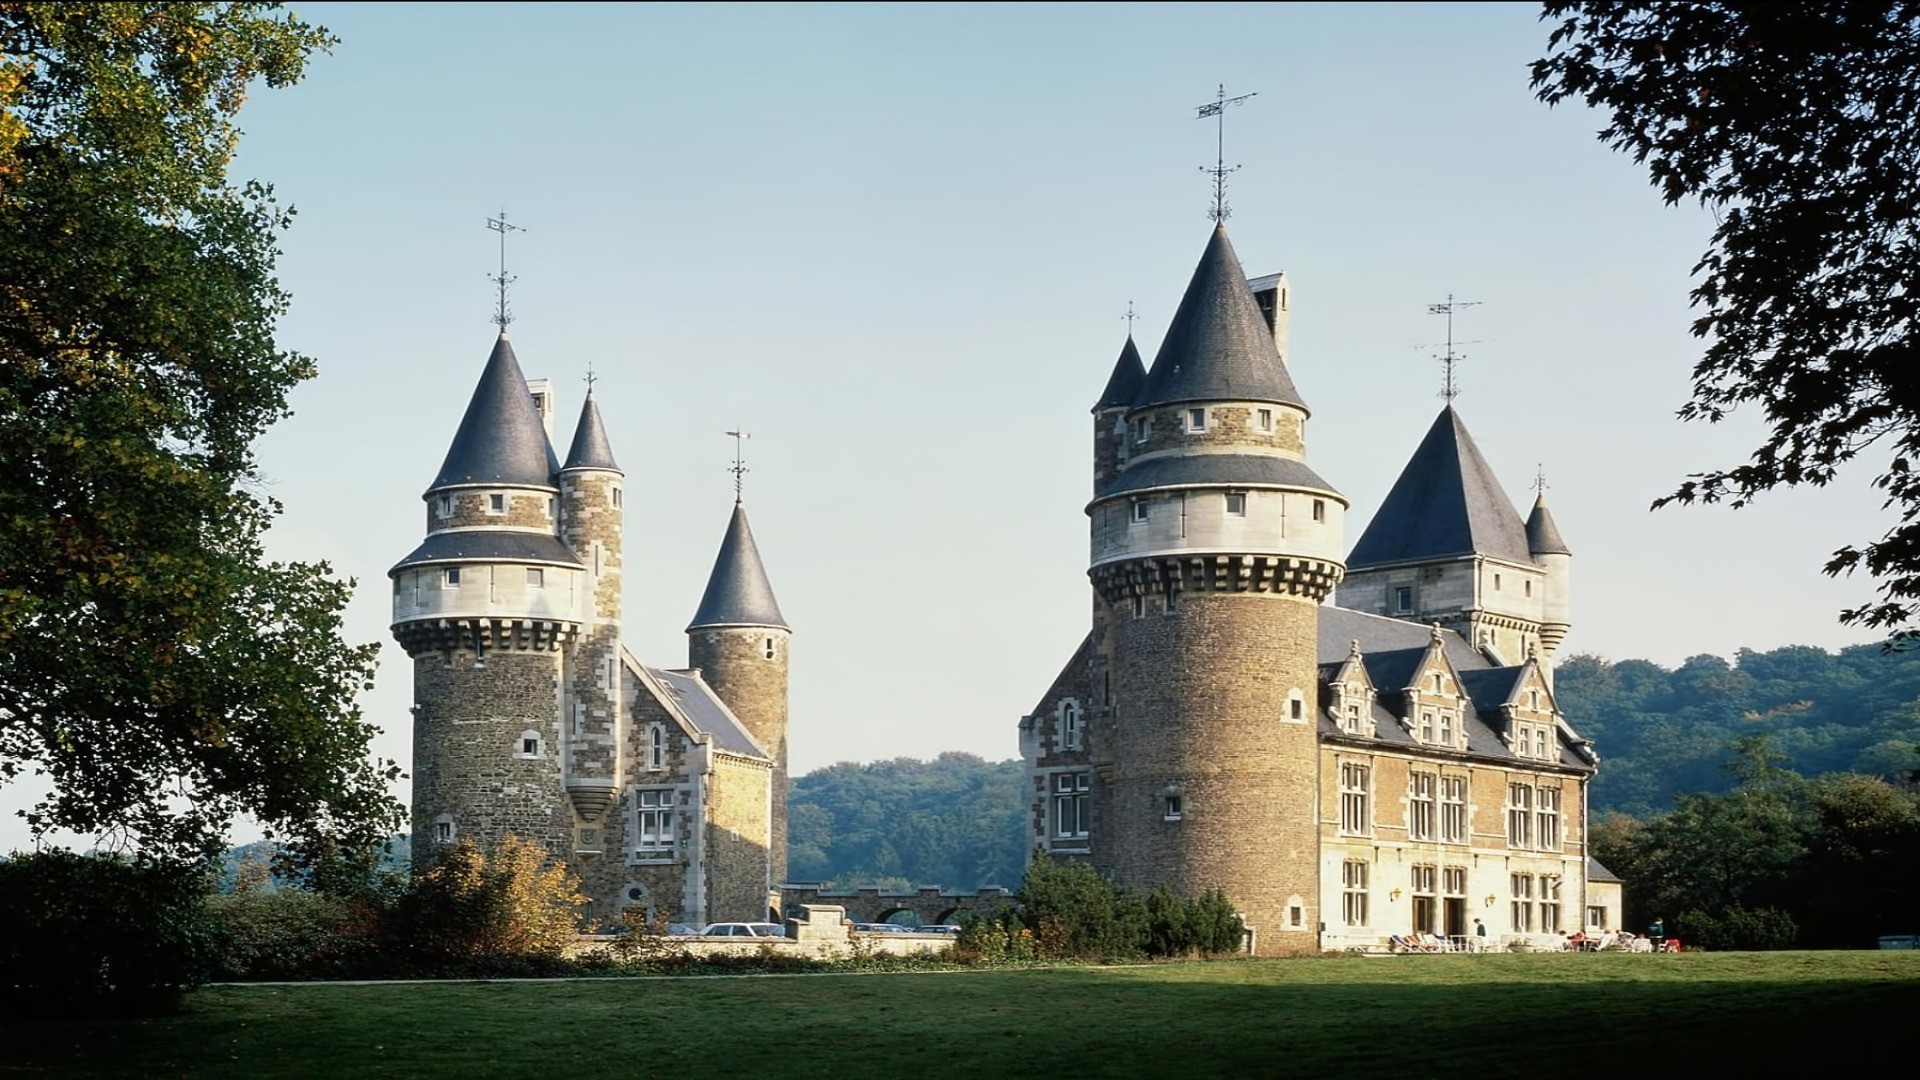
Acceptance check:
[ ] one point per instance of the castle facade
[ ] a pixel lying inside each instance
(1347, 744)
(660, 787)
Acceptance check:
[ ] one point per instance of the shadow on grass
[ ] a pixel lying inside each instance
(1520, 1016)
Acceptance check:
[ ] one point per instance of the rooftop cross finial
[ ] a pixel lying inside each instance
(1130, 316)
(1449, 389)
(1540, 480)
(501, 316)
(739, 466)
(1217, 108)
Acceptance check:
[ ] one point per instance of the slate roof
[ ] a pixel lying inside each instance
(490, 545)
(1129, 371)
(701, 707)
(1218, 346)
(1447, 502)
(1596, 872)
(1216, 470)
(590, 447)
(738, 593)
(1542, 537)
(501, 439)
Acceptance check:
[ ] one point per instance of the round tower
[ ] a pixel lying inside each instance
(592, 524)
(485, 607)
(1213, 545)
(738, 642)
(1553, 555)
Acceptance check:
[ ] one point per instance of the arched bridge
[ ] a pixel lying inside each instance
(928, 905)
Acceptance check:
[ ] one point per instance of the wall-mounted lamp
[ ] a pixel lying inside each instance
(1492, 899)
(1394, 895)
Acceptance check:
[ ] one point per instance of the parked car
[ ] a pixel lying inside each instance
(943, 928)
(680, 929)
(882, 928)
(745, 929)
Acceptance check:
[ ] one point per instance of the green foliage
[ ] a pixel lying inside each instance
(1663, 733)
(1746, 929)
(101, 934)
(511, 901)
(957, 820)
(291, 933)
(1796, 125)
(1067, 911)
(162, 674)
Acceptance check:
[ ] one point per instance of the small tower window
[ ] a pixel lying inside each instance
(1142, 426)
(1172, 806)
(1139, 510)
(536, 577)
(1403, 600)
(1139, 607)
(1319, 509)
(496, 504)
(1496, 583)
(1196, 419)
(549, 508)
(769, 648)
(1527, 588)
(529, 744)
(443, 831)
(616, 498)
(445, 505)
(1237, 503)
(451, 579)
(1296, 707)
(1265, 417)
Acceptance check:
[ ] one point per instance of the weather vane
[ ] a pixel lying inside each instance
(1130, 316)
(591, 378)
(501, 316)
(1540, 479)
(739, 467)
(1217, 108)
(1450, 389)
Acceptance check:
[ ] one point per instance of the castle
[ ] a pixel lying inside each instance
(661, 788)
(1389, 762)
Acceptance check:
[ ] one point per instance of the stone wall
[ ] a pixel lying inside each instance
(735, 662)
(738, 886)
(526, 508)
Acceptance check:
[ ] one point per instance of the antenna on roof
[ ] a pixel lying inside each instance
(501, 316)
(1217, 108)
(739, 467)
(1130, 316)
(1450, 389)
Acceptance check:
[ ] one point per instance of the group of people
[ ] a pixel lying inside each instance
(1656, 940)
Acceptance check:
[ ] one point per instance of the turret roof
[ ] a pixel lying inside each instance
(1129, 371)
(590, 447)
(1542, 537)
(1215, 470)
(490, 545)
(501, 439)
(1219, 347)
(738, 593)
(1446, 502)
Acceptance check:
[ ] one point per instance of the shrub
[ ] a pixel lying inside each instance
(1738, 928)
(101, 934)
(290, 933)
(471, 905)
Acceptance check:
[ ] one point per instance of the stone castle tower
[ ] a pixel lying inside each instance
(1213, 545)
(662, 787)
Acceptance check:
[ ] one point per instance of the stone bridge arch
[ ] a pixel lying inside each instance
(928, 904)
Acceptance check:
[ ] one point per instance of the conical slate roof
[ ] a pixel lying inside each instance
(590, 447)
(1447, 502)
(1129, 371)
(1218, 347)
(738, 593)
(1542, 537)
(501, 439)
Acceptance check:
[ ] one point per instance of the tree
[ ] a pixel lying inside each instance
(512, 901)
(1798, 125)
(154, 666)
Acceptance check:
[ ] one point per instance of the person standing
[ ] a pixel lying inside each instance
(1479, 936)
(1657, 932)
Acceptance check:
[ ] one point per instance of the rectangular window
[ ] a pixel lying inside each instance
(1351, 721)
(1426, 904)
(530, 747)
(616, 498)
(1446, 729)
(446, 505)
(1172, 808)
(1139, 607)
(1597, 917)
(1070, 817)
(1420, 806)
(1549, 904)
(443, 831)
(1426, 726)
(1522, 913)
(1319, 509)
(1540, 743)
(1353, 893)
(654, 829)
(1236, 504)
(1454, 880)
(1453, 809)
(451, 579)
(1547, 820)
(1296, 709)
(536, 577)
(1139, 510)
(1266, 419)
(1519, 816)
(1354, 818)
(496, 504)
(1196, 419)
(1403, 599)
(1142, 427)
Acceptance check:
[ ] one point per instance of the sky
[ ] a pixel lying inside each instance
(897, 244)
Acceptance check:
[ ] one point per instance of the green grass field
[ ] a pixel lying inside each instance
(1535, 1016)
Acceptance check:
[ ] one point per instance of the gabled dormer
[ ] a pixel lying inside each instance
(1351, 694)
(1434, 703)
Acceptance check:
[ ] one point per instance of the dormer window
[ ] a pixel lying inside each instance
(496, 503)
(1426, 726)
(1237, 503)
(1196, 419)
(1540, 743)
(1403, 600)
(1446, 729)
(1351, 721)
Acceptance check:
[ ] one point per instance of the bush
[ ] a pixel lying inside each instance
(102, 934)
(1068, 911)
(290, 933)
(1738, 929)
(469, 906)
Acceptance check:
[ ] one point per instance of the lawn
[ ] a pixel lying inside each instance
(1621, 1016)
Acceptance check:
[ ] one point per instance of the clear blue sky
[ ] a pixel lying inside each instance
(896, 243)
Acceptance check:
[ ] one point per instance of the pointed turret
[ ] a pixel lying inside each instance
(501, 439)
(1219, 346)
(738, 593)
(1446, 503)
(1129, 371)
(1542, 537)
(590, 447)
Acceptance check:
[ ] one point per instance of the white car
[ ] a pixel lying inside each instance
(744, 929)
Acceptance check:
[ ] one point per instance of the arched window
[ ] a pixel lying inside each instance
(656, 747)
(1072, 728)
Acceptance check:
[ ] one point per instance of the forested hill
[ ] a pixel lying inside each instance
(1664, 732)
(953, 821)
